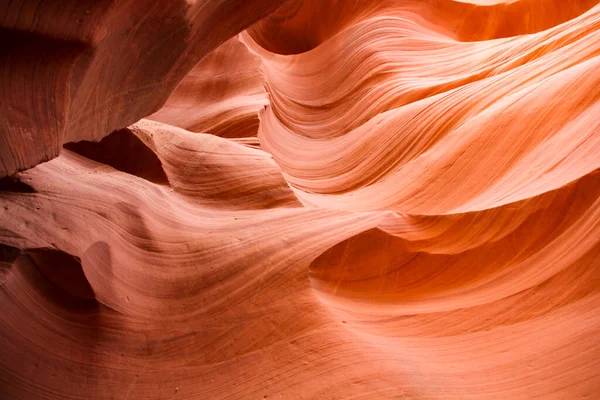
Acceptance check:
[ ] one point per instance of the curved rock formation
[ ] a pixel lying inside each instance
(349, 199)
(222, 95)
(77, 70)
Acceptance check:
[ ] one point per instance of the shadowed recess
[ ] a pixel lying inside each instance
(14, 184)
(63, 270)
(125, 152)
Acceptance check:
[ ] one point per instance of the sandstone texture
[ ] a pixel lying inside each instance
(300, 199)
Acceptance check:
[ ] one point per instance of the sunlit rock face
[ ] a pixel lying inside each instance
(223, 199)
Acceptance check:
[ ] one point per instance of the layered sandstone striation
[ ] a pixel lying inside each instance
(300, 199)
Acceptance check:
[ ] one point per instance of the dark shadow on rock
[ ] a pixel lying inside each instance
(13, 184)
(125, 152)
(63, 271)
(8, 255)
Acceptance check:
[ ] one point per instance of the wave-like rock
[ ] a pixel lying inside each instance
(222, 95)
(77, 70)
(350, 199)
(417, 122)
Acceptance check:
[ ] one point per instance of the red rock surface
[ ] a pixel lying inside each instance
(76, 70)
(348, 199)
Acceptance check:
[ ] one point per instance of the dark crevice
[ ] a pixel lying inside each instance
(14, 185)
(123, 151)
(8, 254)
(64, 271)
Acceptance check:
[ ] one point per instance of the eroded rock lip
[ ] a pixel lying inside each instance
(83, 69)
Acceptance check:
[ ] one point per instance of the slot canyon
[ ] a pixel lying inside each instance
(299, 199)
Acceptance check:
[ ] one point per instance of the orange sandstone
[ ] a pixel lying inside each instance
(300, 199)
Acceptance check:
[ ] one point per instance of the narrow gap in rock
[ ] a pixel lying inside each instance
(124, 151)
(63, 270)
(14, 185)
